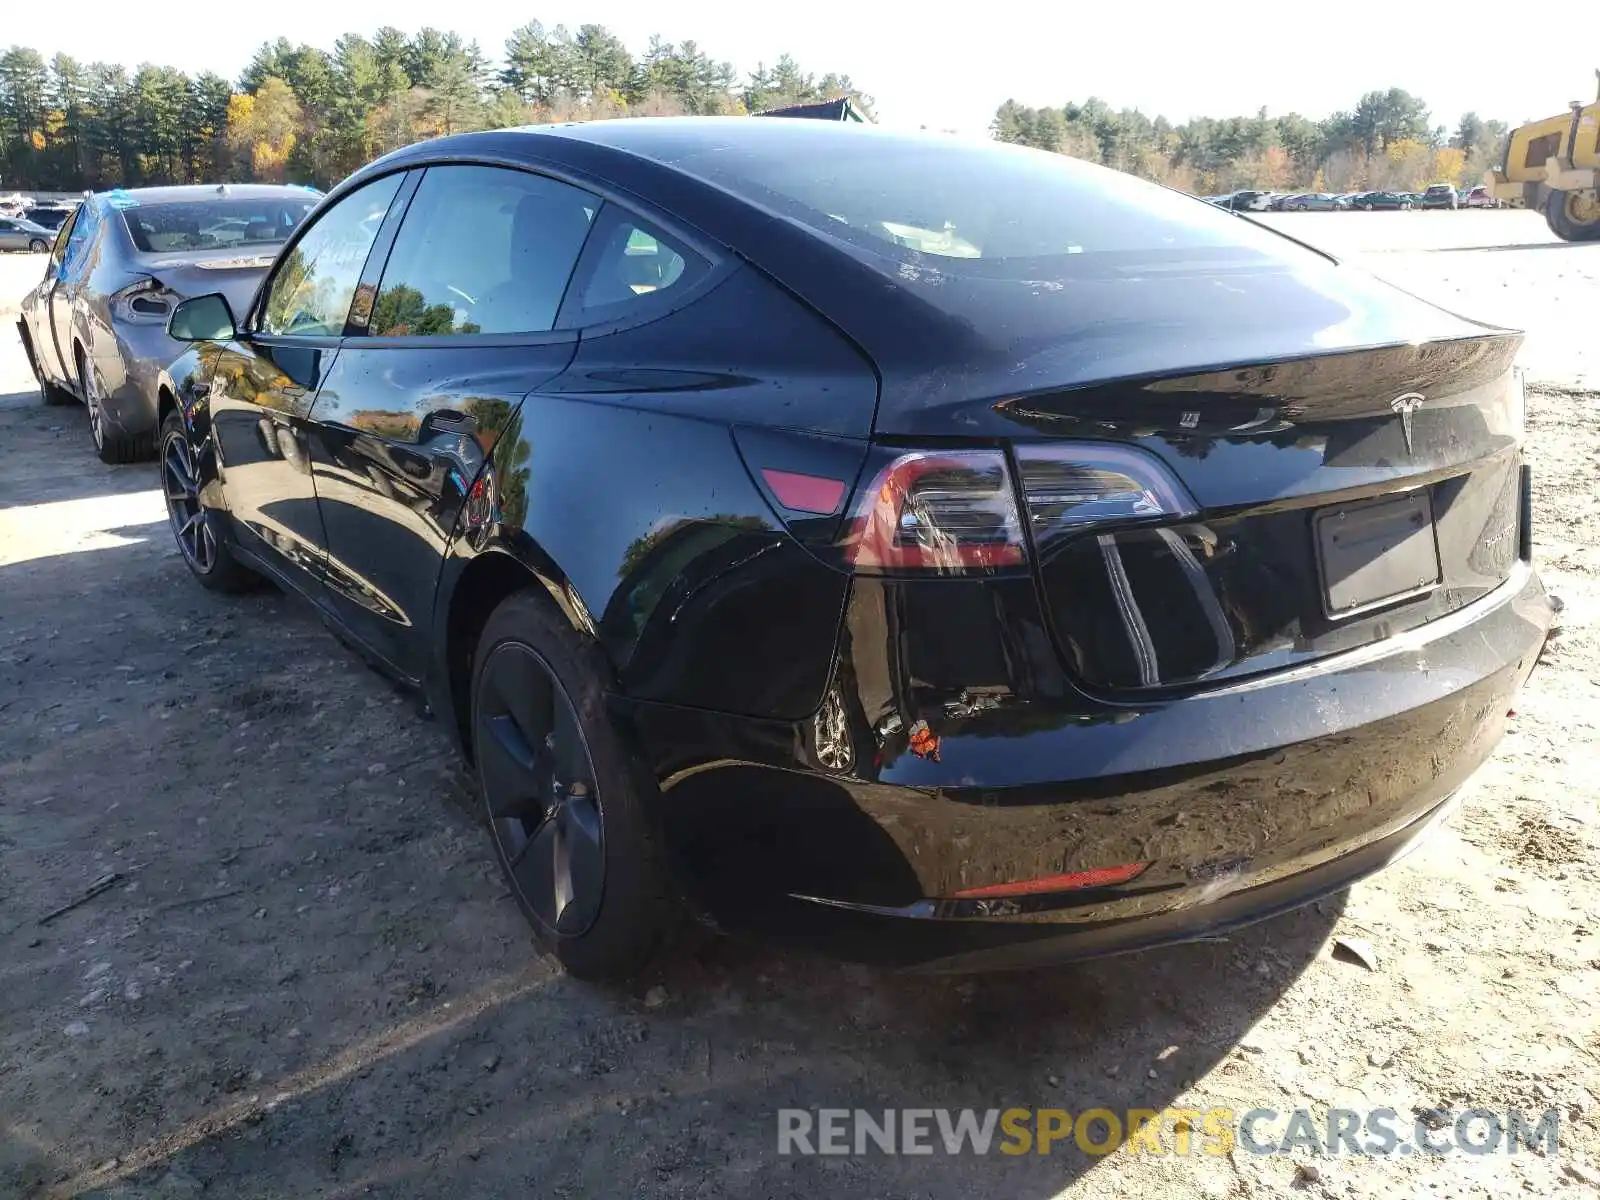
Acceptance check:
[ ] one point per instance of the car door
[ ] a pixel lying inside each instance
(70, 266)
(265, 380)
(12, 236)
(460, 328)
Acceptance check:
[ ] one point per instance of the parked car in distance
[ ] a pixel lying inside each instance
(1249, 201)
(1314, 202)
(1440, 195)
(95, 328)
(762, 626)
(1479, 197)
(51, 216)
(19, 233)
(1370, 201)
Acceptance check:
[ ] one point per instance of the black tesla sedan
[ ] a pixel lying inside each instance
(956, 555)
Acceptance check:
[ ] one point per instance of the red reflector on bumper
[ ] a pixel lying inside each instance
(1098, 877)
(805, 493)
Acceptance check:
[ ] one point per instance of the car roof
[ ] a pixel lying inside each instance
(658, 139)
(189, 193)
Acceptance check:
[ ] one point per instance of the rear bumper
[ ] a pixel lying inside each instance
(1240, 802)
(954, 947)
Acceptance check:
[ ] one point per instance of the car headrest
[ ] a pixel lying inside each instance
(547, 228)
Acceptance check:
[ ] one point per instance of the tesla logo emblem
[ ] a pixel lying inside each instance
(1405, 406)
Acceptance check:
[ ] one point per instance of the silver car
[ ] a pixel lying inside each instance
(95, 329)
(19, 233)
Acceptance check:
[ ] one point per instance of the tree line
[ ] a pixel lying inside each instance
(1388, 140)
(302, 114)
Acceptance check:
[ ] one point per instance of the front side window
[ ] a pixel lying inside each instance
(313, 284)
(482, 250)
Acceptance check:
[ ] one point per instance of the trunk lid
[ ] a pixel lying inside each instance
(235, 274)
(1338, 500)
(1352, 452)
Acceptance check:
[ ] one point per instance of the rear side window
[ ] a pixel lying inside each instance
(482, 250)
(313, 284)
(628, 266)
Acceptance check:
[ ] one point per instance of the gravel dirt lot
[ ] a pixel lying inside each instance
(307, 980)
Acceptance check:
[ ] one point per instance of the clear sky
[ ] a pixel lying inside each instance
(948, 65)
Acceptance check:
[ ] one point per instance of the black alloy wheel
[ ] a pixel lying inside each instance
(539, 788)
(565, 796)
(180, 483)
(205, 552)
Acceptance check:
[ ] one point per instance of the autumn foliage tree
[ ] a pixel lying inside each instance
(262, 129)
(1384, 141)
(307, 114)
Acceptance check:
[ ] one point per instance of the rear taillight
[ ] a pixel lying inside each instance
(146, 302)
(1070, 487)
(949, 512)
(973, 510)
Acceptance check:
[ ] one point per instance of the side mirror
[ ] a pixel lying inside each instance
(202, 319)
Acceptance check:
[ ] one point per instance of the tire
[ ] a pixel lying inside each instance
(49, 393)
(1558, 214)
(205, 549)
(540, 729)
(113, 449)
(38, 245)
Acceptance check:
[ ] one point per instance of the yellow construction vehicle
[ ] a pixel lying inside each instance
(1553, 165)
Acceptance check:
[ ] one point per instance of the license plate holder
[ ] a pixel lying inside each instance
(1373, 553)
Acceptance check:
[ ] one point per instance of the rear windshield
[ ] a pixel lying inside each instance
(976, 208)
(219, 224)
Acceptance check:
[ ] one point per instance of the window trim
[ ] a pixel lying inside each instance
(58, 248)
(378, 257)
(250, 328)
(720, 262)
(626, 314)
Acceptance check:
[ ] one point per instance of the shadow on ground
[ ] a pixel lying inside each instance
(308, 980)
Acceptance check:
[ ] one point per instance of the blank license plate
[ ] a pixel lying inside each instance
(1375, 552)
